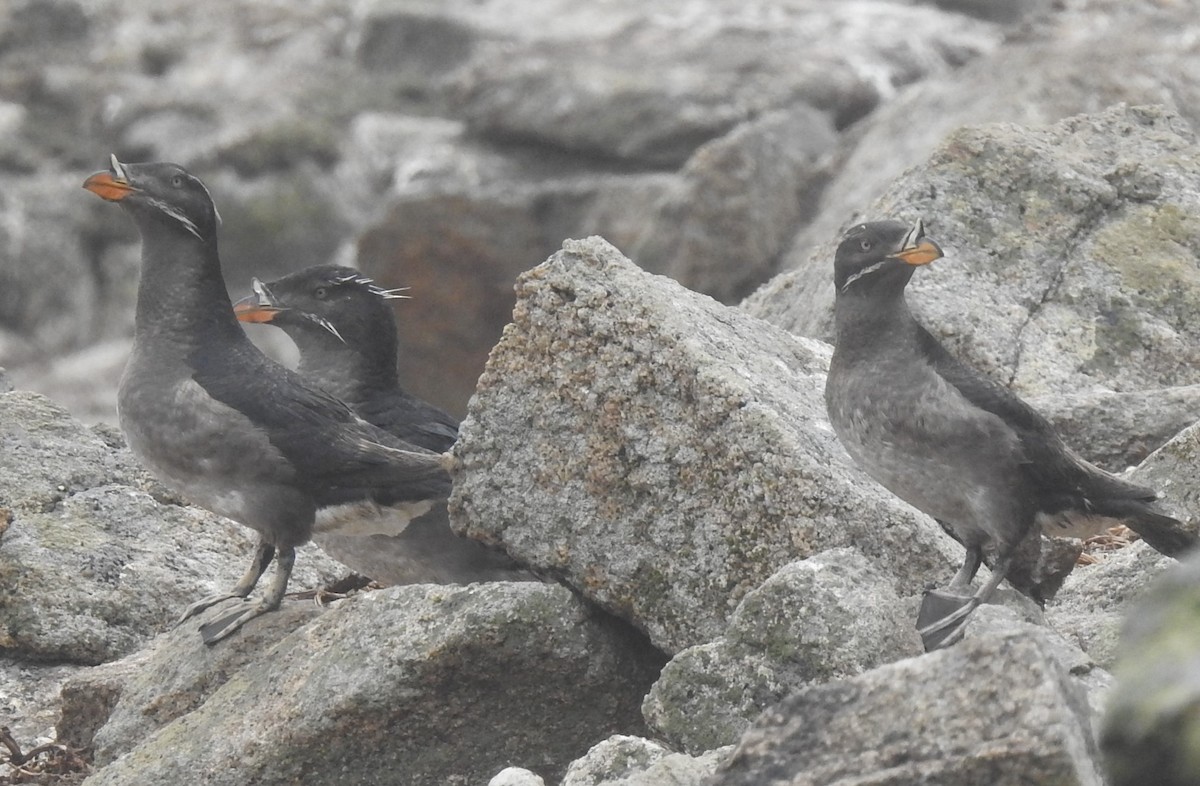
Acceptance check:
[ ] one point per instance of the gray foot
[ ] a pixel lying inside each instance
(206, 603)
(227, 624)
(263, 554)
(942, 618)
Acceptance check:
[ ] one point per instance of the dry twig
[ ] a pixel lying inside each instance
(344, 587)
(42, 763)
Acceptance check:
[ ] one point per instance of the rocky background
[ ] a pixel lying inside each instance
(654, 447)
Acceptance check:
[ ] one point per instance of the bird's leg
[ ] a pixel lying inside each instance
(939, 605)
(220, 628)
(966, 574)
(262, 558)
(948, 629)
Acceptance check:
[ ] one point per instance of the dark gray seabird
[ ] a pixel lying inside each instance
(344, 327)
(951, 443)
(345, 330)
(218, 421)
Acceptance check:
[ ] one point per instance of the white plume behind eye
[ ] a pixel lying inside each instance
(866, 271)
(373, 288)
(188, 224)
(325, 323)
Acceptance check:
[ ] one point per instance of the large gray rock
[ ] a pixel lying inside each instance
(622, 760)
(421, 684)
(577, 121)
(1096, 598)
(94, 563)
(1119, 430)
(171, 677)
(1083, 57)
(1074, 240)
(997, 709)
(652, 87)
(738, 199)
(994, 622)
(665, 454)
(1150, 732)
(831, 616)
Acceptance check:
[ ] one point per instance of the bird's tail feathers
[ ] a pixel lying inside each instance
(1164, 533)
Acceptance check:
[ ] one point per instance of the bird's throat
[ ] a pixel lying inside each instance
(871, 324)
(181, 294)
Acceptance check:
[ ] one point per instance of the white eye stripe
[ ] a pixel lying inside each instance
(866, 271)
(325, 323)
(171, 211)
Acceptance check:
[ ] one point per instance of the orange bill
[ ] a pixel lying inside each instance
(106, 186)
(248, 309)
(916, 248)
(920, 253)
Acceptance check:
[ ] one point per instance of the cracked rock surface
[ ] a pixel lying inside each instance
(95, 556)
(663, 453)
(1067, 251)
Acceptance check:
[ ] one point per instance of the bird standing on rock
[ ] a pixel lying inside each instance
(341, 322)
(218, 421)
(951, 443)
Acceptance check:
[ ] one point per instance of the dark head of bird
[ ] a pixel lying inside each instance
(159, 197)
(326, 305)
(880, 257)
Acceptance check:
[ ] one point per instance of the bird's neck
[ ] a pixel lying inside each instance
(869, 324)
(181, 295)
(354, 372)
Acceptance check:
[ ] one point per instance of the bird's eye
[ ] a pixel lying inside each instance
(865, 245)
(177, 181)
(320, 293)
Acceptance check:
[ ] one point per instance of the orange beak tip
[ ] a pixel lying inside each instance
(105, 186)
(254, 313)
(922, 254)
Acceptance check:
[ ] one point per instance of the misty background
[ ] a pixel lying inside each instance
(448, 146)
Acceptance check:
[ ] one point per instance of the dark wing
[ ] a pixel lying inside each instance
(1064, 481)
(337, 455)
(1065, 478)
(411, 419)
